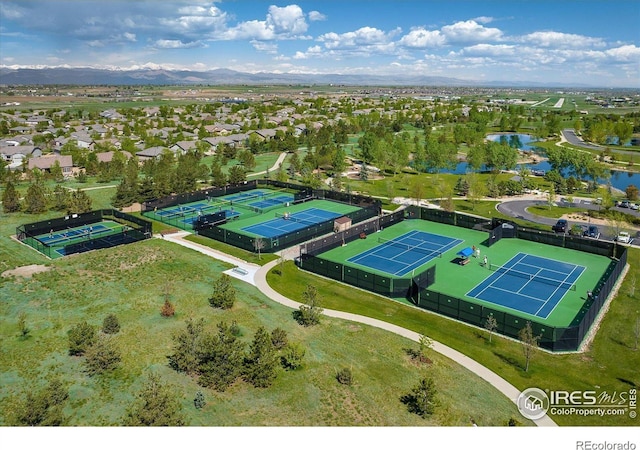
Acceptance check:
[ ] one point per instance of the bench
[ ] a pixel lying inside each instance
(465, 261)
(240, 270)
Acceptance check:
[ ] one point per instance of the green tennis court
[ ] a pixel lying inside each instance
(58, 240)
(257, 224)
(458, 281)
(233, 206)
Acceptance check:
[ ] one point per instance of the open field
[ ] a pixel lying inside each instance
(131, 282)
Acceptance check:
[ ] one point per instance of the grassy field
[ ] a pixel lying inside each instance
(131, 281)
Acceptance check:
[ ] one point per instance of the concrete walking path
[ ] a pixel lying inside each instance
(257, 276)
(275, 167)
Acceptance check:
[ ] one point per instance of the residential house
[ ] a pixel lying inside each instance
(16, 154)
(155, 152)
(45, 163)
(107, 157)
(83, 139)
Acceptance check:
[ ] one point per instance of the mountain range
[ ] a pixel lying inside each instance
(91, 76)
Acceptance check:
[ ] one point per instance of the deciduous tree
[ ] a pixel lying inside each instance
(529, 343)
(310, 312)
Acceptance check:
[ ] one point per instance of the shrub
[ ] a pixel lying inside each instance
(279, 338)
(344, 376)
(101, 357)
(199, 401)
(167, 309)
(292, 355)
(110, 324)
(81, 337)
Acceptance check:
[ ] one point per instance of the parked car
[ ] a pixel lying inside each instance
(561, 226)
(592, 232)
(624, 237)
(625, 204)
(634, 206)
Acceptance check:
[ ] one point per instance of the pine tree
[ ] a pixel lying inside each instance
(42, 408)
(81, 337)
(261, 361)
(110, 324)
(102, 356)
(35, 199)
(80, 202)
(220, 359)
(224, 294)
(187, 347)
(10, 198)
(422, 398)
(61, 198)
(218, 178)
(155, 405)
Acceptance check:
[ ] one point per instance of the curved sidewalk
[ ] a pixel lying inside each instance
(506, 388)
(257, 275)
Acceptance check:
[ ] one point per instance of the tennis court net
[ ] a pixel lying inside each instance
(411, 248)
(295, 219)
(532, 277)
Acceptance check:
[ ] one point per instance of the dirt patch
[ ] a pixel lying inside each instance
(26, 271)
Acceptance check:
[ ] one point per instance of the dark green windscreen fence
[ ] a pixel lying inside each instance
(137, 229)
(418, 289)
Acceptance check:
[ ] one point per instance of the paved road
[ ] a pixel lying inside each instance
(518, 209)
(571, 137)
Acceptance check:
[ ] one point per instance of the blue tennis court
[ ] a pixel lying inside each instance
(296, 221)
(87, 231)
(195, 208)
(405, 253)
(529, 284)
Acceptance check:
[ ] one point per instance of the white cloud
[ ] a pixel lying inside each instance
(267, 47)
(287, 21)
(11, 12)
(470, 31)
(131, 37)
(421, 38)
(562, 40)
(490, 50)
(316, 16)
(281, 23)
(483, 19)
(362, 36)
(176, 44)
(626, 53)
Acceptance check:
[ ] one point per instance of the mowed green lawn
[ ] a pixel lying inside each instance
(130, 281)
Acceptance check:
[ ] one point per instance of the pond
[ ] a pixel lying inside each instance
(619, 179)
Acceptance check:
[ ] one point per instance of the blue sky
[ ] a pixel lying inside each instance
(593, 42)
